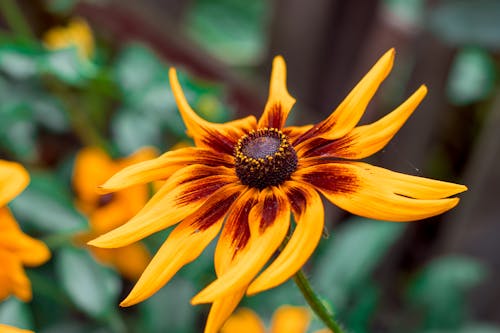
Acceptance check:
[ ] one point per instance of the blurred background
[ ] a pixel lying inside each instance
(56, 97)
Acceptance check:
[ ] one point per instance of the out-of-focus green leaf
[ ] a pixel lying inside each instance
(409, 11)
(472, 76)
(47, 206)
(132, 131)
(15, 313)
(440, 289)
(18, 131)
(169, 309)
(464, 22)
(60, 6)
(365, 305)
(136, 68)
(67, 66)
(231, 30)
(18, 62)
(351, 255)
(94, 289)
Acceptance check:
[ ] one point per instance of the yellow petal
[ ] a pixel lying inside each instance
(380, 194)
(366, 140)
(13, 180)
(349, 112)
(13, 280)
(181, 195)
(10, 329)
(29, 251)
(243, 321)
(219, 137)
(220, 311)
(279, 102)
(290, 319)
(163, 167)
(92, 167)
(269, 221)
(309, 214)
(184, 244)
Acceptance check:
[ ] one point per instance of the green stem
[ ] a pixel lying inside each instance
(15, 19)
(315, 302)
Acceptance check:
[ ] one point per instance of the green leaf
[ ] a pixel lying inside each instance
(232, 31)
(440, 289)
(169, 309)
(47, 206)
(466, 22)
(18, 62)
(67, 66)
(18, 131)
(351, 255)
(136, 68)
(15, 313)
(472, 76)
(132, 131)
(94, 289)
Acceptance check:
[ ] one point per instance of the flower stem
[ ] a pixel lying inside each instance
(15, 19)
(315, 302)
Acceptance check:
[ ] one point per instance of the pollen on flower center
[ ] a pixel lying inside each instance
(264, 158)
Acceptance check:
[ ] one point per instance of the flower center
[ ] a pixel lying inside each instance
(264, 158)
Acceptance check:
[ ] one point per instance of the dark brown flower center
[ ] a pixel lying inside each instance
(264, 158)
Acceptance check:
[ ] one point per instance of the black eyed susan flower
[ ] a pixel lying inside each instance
(243, 179)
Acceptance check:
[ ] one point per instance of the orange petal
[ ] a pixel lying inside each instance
(279, 102)
(294, 132)
(309, 214)
(181, 195)
(219, 137)
(349, 112)
(92, 167)
(381, 194)
(10, 329)
(164, 166)
(13, 280)
(30, 251)
(243, 321)
(366, 140)
(269, 220)
(184, 244)
(290, 319)
(220, 311)
(13, 180)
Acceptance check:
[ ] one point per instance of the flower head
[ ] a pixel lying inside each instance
(106, 212)
(77, 34)
(246, 177)
(286, 319)
(16, 248)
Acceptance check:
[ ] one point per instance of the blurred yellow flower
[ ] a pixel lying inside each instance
(16, 248)
(10, 329)
(287, 319)
(106, 212)
(77, 34)
(245, 178)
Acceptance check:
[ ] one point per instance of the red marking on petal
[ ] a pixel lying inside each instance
(297, 200)
(212, 211)
(275, 116)
(269, 212)
(202, 188)
(332, 178)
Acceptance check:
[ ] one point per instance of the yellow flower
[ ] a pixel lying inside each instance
(10, 329)
(287, 319)
(16, 248)
(77, 34)
(106, 212)
(246, 177)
